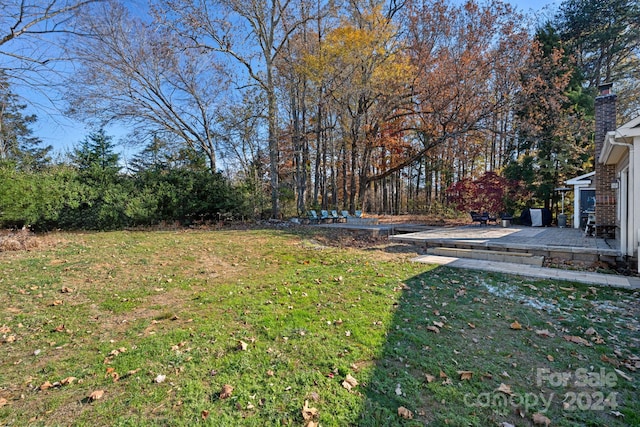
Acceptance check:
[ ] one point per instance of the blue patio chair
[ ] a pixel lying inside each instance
(358, 214)
(313, 217)
(334, 216)
(324, 215)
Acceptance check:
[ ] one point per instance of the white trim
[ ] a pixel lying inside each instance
(613, 149)
(623, 209)
(581, 182)
(631, 128)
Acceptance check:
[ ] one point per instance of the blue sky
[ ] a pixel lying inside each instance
(64, 133)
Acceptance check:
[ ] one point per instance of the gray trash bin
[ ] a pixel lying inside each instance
(506, 223)
(562, 220)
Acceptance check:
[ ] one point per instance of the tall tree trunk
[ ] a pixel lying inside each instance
(274, 159)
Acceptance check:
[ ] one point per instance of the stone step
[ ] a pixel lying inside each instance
(499, 256)
(362, 221)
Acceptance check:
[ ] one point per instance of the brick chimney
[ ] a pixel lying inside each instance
(605, 110)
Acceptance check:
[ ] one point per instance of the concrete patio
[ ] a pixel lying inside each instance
(551, 242)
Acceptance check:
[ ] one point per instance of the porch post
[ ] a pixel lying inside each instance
(626, 247)
(576, 206)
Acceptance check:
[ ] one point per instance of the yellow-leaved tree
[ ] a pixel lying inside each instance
(365, 78)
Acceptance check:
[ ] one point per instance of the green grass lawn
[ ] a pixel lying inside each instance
(231, 328)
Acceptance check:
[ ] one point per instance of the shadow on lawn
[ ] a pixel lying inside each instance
(448, 322)
(412, 350)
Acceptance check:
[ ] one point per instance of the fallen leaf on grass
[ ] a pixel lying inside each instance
(544, 333)
(515, 325)
(66, 290)
(623, 375)
(45, 386)
(242, 346)
(398, 390)
(98, 394)
(471, 325)
(226, 391)
(111, 372)
(10, 339)
(405, 413)
(308, 414)
(349, 382)
(3, 402)
(461, 292)
(430, 378)
(465, 375)
(504, 388)
(550, 358)
(4, 329)
(438, 324)
(577, 340)
(606, 359)
(159, 379)
(541, 420)
(433, 329)
(616, 414)
(68, 380)
(590, 331)
(204, 414)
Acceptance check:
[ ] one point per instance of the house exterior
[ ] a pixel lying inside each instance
(584, 201)
(621, 152)
(614, 186)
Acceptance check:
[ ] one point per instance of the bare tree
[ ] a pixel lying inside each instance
(253, 33)
(29, 33)
(138, 73)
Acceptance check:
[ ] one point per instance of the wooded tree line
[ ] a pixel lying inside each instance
(373, 105)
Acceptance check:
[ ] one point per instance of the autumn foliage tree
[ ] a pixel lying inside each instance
(366, 78)
(467, 59)
(488, 193)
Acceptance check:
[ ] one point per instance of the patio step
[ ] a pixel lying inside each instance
(362, 221)
(489, 255)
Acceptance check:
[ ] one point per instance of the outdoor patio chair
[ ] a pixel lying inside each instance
(334, 216)
(481, 219)
(313, 217)
(358, 214)
(490, 218)
(345, 215)
(324, 216)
